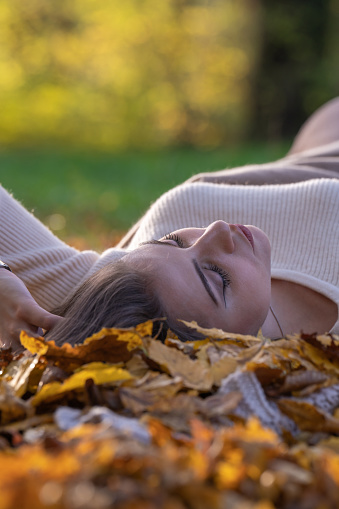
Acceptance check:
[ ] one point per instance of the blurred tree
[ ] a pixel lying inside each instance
(144, 73)
(133, 73)
(298, 69)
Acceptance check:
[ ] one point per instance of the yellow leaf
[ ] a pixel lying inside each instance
(319, 358)
(129, 336)
(228, 475)
(109, 345)
(34, 345)
(253, 431)
(145, 329)
(100, 373)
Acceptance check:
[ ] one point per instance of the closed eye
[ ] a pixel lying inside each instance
(226, 278)
(176, 238)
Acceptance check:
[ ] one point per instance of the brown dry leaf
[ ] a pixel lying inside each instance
(325, 342)
(195, 374)
(220, 404)
(29, 423)
(137, 366)
(288, 355)
(319, 357)
(308, 417)
(161, 434)
(137, 400)
(6, 356)
(300, 379)
(218, 334)
(331, 443)
(150, 392)
(12, 408)
(266, 374)
(292, 473)
(222, 368)
(160, 382)
(195, 459)
(185, 405)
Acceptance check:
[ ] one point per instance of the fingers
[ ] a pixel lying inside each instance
(37, 317)
(43, 319)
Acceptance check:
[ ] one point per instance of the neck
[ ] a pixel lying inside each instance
(272, 327)
(297, 308)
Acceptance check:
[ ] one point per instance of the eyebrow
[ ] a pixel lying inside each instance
(198, 270)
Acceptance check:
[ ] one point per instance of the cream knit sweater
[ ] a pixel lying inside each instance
(301, 220)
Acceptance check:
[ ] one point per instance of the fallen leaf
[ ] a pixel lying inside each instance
(195, 374)
(11, 407)
(220, 404)
(18, 372)
(100, 373)
(308, 417)
(298, 380)
(219, 334)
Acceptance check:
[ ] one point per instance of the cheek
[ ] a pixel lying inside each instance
(252, 296)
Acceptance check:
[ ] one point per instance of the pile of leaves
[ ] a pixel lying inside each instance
(126, 421)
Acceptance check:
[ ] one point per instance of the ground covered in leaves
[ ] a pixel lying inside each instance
(128, 422)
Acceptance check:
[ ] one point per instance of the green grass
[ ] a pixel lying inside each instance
(100, 195)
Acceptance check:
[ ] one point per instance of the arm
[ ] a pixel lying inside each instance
(261, 174)
(49, 268)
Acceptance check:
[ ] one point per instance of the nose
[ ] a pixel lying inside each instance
(217, 236)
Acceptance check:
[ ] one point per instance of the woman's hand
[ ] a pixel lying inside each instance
(19, 311)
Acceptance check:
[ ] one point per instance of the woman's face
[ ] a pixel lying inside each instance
(218, 276)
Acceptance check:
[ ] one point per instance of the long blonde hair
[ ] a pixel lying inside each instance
(115, 296)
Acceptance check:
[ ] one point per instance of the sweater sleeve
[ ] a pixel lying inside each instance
(49, 267)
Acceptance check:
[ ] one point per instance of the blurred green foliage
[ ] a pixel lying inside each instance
(89, 199)
(118, 74)
(150, 73)
(147, 73)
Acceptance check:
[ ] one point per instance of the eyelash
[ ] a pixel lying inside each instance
(175, 237)
(226, 279)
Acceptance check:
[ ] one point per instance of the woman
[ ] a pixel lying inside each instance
(205, 269)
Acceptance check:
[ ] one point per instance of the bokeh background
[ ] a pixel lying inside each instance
(105, 104)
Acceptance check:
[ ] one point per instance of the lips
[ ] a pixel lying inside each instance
(247, 233)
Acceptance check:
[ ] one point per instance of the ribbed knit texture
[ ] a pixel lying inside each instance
(49, 267)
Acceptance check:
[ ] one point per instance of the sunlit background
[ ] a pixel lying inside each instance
(105, 104)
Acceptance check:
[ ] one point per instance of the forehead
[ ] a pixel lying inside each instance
(173, 276)
(163, 262)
